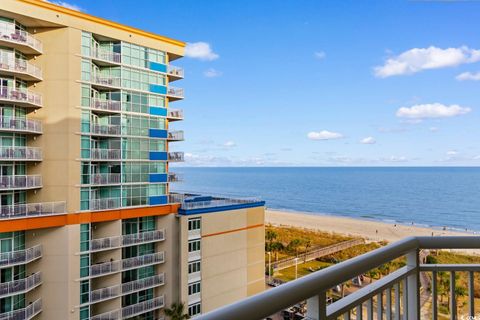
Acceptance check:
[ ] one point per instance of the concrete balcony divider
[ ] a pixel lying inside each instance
(26, 313)
(20, 286)
(21, 96)
(17, 211)
(20, 125)
(105, 105)
(20, 153)
(20, 182)
(13, 258)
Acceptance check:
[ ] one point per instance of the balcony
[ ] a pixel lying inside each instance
(175, 73)
(20, 286)
(106, 105)
(105, 178)
(20, 154)
(105, 130)
(132, 310)
(112, 292)
(18, 211)
(106, 58)
(14, 258)
(22, 125)
(126, 240)
(176, 156)
(106, 82)
(174, 93)
(19, 39)
(174, 177)
(106, 268)
(174, 114)
(21, 97)
(20, 182)
(194, 255)
(21, 69)
(105, 204)
(194, 277)
(396, 295)
(106, 154)
(175, 136)
(26, 313)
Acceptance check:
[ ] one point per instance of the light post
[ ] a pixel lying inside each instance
(269, 267)
(296, 268)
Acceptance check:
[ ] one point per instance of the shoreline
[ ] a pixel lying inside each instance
(373, 230)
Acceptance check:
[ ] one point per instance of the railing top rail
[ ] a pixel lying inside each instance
(269, 302)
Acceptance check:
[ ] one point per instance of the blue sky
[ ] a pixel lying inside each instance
(321, 83)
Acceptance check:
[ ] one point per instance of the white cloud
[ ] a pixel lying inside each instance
(395, 159)
(66, 5)
(229, 144)
(324, 135)
(432, 110)
(452, 153)
(212, 73)
(476, 157)
(419, 59)
(320, 55)
(433, 129)
(468, 76)
(200, 51)
(368, 140)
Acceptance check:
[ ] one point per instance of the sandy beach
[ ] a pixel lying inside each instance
(368, 229)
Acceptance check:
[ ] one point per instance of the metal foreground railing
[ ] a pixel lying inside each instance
(395, 296)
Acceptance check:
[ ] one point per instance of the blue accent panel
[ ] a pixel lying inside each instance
(155, 200)
(157, 133)
(158, 111)
(158, 155)
(157, 88)
(158, 67)
(157, 177)
(222, 208)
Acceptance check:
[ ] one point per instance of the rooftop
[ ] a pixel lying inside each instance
(191, 203)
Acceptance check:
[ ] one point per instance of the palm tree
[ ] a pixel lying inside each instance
(270, 235)
(293, 245)
(176, 311)
(307, 243)
(276, 247)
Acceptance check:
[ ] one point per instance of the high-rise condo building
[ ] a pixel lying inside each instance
(88, 226)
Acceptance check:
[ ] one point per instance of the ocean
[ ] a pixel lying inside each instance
(427, 196)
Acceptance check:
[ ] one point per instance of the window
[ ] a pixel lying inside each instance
(84, 265)
(194, 309)
(193, 245)
(84, 291)
(194, 288)
(84, 313)
(84, 237)
(86, 70)
(194, 224)
(194, 267)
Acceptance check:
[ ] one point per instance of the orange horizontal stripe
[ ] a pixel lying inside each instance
(84, 217)
(233, 230)
(88, 17)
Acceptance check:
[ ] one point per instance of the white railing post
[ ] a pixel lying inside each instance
(413, 286)
(317, 307)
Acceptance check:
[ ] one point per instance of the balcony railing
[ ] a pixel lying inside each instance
(142, 307)
(107, 55)
(20, 182)
(105, 204)
(20, 125)
(175, 135)
(127, 240)
(13, 258)
(26, 313)
(105, 268)
(175, 114)
(8, 33)
(395, 296)
(106, 154)
(105, 104)
(176, 72)
(20, 153)
(176, 156)
(126, 288)
(196, 201)
(23, 96)
(105, 129)
(107, 81)
(175, 92)
(174, 177)
(17, 211)
(111, 315)
(20, 286)
(105, 178)
(21, 66)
